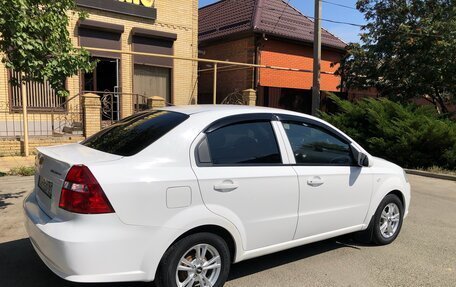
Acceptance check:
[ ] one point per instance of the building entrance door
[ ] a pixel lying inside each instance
(104, 81)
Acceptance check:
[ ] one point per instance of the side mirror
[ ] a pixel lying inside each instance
(361, 158)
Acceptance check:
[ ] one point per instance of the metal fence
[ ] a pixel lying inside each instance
(11, 122)
(67, 118)
(111, 103)
(40, 96)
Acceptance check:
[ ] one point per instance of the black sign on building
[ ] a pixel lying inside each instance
(121, 7)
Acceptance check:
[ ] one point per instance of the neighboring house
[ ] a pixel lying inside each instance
(123, 81)
(266, 32)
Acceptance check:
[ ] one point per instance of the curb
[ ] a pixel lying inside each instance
(430, 174)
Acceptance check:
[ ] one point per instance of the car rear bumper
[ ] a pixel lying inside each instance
(101, 249)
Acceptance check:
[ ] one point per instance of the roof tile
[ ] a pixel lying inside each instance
(272, 17)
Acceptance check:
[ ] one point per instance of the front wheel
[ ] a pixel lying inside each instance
(387, 221)
(201, 259)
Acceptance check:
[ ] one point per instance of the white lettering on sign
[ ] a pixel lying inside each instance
(145, 3)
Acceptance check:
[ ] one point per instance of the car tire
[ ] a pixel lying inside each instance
(387, 221)
(184, 254)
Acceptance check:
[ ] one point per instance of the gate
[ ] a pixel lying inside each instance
(111, 102)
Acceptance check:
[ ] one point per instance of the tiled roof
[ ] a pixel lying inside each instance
(272, 17)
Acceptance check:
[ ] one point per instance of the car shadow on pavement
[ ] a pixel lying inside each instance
(21, 266)
(4, 197)
(255, 265)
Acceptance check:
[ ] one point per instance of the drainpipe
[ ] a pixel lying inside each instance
(256, 60)
(215, 85)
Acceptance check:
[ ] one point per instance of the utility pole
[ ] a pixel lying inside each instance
(316, 59)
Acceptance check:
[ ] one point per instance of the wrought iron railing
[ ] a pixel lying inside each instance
(11, 122)
(114, 103)
(234, 98)
(67, 118)
(70, 121)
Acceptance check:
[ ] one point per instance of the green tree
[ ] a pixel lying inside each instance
(34, 40)
(407, 50)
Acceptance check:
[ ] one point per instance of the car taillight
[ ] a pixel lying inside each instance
(81, 193)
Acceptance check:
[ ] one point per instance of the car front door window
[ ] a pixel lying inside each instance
(314, 146)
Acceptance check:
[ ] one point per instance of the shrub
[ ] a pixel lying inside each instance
(22, 171)
(411, 136)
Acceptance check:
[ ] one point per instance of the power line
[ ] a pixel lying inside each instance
(340, 5)
(337, 22)
(280, 17)
(352, 24)
(282, 12)
(300, 14)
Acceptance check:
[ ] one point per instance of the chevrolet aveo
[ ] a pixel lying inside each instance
(179, 194)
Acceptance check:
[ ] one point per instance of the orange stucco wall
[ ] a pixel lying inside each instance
(275, 53)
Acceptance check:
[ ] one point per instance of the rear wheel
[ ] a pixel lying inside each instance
(387, 221)
(201, 259)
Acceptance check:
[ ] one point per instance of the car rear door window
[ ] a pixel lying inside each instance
(313, 145)
(244, 143)
(135, 133)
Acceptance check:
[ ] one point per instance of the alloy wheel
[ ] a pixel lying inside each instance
(389, 220)
(200, 266)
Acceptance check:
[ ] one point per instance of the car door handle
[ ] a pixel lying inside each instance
(226, 186)
(315, 181)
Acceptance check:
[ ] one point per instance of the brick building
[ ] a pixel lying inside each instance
(266, 32)
(161, 26)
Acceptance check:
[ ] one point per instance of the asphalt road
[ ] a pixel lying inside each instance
(423, 255)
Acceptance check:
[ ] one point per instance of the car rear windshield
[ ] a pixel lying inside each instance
(135, 133)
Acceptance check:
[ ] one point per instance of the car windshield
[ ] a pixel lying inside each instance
(135, 133)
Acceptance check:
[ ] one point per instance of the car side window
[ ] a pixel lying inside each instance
(313, 145)
(244, 143)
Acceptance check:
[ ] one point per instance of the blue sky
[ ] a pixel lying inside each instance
(330, 12)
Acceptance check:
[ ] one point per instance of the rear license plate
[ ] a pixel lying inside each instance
(45, 186)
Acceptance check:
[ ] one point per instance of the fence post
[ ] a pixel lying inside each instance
(92, 114)
(249, 97)
(25, 118)
(155, 102)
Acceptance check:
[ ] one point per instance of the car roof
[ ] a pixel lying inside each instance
(232, 109)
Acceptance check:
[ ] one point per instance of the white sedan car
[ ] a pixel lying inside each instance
(179, 194)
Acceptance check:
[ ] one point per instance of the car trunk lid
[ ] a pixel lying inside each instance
(52, 166)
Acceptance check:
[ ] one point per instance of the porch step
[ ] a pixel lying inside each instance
(76, 128)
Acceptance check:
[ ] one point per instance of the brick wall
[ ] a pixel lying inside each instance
(240, 50)
(13, 147)
(284, 54)
(177, 16)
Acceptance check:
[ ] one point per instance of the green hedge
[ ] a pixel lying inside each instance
(411, 136)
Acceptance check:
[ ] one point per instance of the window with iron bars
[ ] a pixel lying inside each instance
(40, 96)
